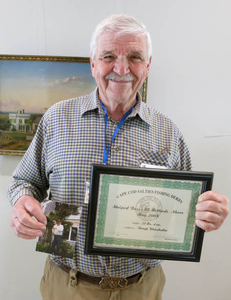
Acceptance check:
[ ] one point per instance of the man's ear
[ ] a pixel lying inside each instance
(92, 67)
(148, 66)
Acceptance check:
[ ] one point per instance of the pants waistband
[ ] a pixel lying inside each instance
(104, 282)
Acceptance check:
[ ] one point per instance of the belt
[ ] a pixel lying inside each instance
(106, 283)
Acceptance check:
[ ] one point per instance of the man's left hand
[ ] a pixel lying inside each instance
(211, 210)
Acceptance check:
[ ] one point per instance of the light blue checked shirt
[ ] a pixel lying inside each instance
(70, 137)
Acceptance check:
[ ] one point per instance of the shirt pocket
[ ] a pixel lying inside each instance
(158, 158)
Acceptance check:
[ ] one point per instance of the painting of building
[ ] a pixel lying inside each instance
(19, 121)
(35, 123)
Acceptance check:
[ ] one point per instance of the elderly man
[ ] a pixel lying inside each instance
(111, 125)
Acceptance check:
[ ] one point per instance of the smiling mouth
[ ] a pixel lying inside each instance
(121, 81)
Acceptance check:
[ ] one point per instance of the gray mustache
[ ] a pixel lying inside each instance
(116, 77)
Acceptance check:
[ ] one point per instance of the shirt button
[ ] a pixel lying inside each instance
(117, 149)
(115, 267)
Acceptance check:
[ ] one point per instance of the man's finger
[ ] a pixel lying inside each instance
(214, 196)
(26, 219)
(35, 210)
(206, 226)
(210, 206)
(21, 230)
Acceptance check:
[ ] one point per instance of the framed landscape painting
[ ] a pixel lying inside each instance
(29, 85)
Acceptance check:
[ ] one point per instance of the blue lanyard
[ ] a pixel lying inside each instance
(106, 151)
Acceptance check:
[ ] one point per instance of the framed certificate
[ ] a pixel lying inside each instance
(145, 213)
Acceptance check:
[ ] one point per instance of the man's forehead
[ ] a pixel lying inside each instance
(109, 43)
(121, 37)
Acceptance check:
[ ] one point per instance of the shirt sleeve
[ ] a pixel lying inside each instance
(184, 155)
(30, 175)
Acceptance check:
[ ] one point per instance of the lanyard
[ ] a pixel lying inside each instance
(106, 151)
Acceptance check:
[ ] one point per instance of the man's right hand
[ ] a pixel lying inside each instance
(22, 222)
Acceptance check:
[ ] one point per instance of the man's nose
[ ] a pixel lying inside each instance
(121, 66)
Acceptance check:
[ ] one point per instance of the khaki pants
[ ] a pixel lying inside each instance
(56, 284)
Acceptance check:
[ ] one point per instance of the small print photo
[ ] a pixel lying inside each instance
(62, 229)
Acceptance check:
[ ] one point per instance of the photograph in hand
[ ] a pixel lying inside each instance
(62, 229)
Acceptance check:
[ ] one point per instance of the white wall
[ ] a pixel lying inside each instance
(189, 81)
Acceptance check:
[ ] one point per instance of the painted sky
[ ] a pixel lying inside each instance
(35, 86)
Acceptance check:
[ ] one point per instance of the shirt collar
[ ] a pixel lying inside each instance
(145, 113)
(92, 102)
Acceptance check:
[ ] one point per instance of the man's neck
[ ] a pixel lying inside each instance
(117, 110)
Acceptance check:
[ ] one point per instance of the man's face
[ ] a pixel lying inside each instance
(120, 66)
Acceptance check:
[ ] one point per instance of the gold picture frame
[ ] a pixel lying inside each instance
(29, 85)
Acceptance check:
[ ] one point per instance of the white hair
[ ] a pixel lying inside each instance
(120, 24)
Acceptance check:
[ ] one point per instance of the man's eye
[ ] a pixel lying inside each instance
(108, 58)
(136, 58)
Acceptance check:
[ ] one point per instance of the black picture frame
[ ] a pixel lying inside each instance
(142, 226)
